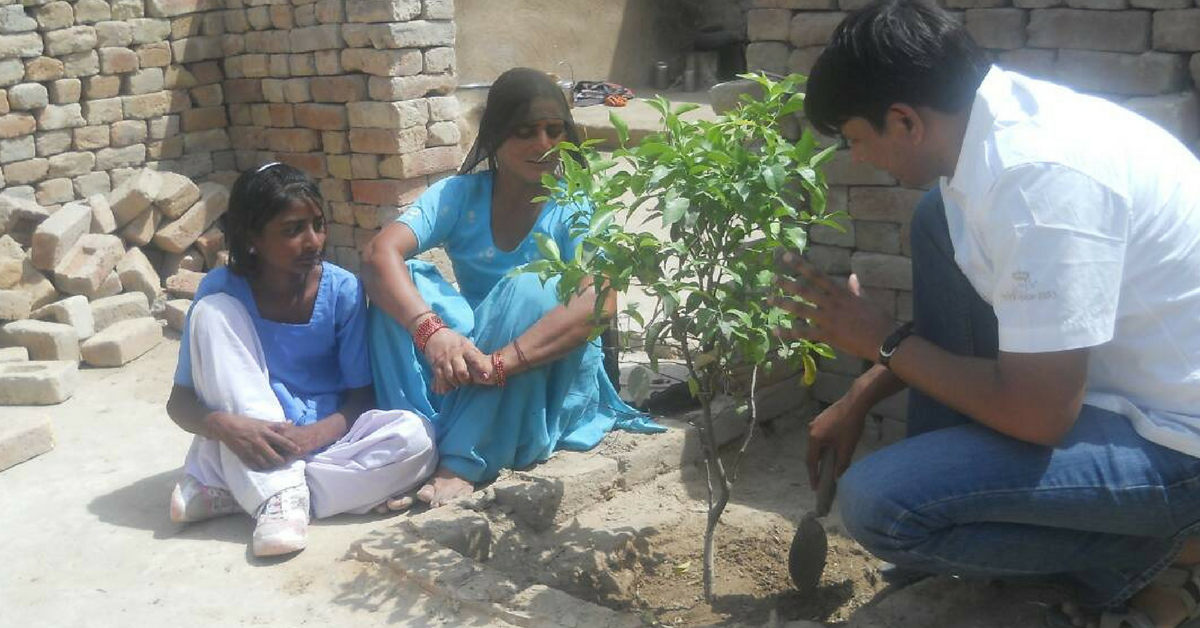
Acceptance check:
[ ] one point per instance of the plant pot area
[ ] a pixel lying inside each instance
(614, 538)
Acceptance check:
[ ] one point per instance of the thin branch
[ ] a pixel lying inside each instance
(737, 461)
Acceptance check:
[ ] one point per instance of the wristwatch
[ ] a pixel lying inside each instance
(892, 342)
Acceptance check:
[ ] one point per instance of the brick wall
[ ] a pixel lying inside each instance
(352, 91)
(1144, 54)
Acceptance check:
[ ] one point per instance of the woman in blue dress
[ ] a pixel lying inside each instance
(504, 371)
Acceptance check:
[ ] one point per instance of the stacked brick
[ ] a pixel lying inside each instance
(355, 93)
(91, 90)
(80, 283)
(1144, 54)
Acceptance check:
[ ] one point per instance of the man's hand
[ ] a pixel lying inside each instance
(840, 426)
(456, 361)
(254, 442)
(836, 314)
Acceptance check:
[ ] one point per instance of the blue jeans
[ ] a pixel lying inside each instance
(1105, 509)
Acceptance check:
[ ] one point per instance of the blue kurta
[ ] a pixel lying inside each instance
(566, 404)
(311, 364)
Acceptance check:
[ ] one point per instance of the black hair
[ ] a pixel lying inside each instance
(258, 196)
(507, 106)
(893, 51)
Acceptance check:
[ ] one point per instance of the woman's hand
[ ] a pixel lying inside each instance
(456, 361)
(254, 442)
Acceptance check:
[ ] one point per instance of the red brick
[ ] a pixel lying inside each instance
(243, 90)
(387, 191)
(292, 140)
(321, 117)
(339, 88)
(203, 119)
(387, 141)
(312, 163)
(422, 162)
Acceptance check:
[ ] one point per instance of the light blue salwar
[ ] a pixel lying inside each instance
(566, 404)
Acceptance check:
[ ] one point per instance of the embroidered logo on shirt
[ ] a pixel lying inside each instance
(1025, 289)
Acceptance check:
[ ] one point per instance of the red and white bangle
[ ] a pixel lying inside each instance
(426, 330)
(498, 368)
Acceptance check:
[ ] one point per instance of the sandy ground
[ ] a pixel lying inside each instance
(87, 540)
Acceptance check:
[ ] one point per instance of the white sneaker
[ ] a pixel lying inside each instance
(282, 526)
(193, 501)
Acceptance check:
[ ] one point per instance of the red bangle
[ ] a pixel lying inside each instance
(498, 367)
(426, 330)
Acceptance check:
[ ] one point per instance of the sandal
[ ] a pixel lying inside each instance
(1130, 618)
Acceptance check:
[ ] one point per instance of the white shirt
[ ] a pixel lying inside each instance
(1079, 222)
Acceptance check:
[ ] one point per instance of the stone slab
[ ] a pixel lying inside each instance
(57, 234)
(37, 383)
(111, 310)
(88, 264)
(44, 340)
(74, 311)
(178, 235)
(23, 439)
(122, 342)
(14, 354)
(175, 312)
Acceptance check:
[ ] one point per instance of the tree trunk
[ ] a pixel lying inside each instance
(718, 491)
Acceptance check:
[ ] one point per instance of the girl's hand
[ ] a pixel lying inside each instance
(308, 438)
(254, 442)
(455, 361)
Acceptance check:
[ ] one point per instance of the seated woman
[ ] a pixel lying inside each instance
(505, 372)
(274, 379)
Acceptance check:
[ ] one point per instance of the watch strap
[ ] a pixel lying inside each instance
(892, 342)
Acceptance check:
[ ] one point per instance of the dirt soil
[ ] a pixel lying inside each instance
(641, 550)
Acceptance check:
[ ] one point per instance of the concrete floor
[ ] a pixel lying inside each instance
(87, 541)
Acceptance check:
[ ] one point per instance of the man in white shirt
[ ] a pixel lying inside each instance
(1054, 360)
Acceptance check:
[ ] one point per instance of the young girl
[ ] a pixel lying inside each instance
(275, 381)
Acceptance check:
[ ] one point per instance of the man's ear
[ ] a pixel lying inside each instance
(910, 120)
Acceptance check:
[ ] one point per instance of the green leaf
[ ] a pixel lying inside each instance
(620, 126)
(693, 386)
(548, 247)
(674, 208)
(685, 107)
(810, 370)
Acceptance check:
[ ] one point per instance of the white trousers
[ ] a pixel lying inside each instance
(383, 454)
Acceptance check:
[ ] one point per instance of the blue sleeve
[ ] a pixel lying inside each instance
(212, 283)
(350, 320)
(433, 216)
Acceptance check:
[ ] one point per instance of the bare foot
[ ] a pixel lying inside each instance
(443, 487)
(395, 504)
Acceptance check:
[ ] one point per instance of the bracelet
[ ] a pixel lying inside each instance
(498, 367)
(414, 318)
(521, 359)
(426, 330)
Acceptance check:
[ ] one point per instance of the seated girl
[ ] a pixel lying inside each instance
(503, 370)
(274, 379)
